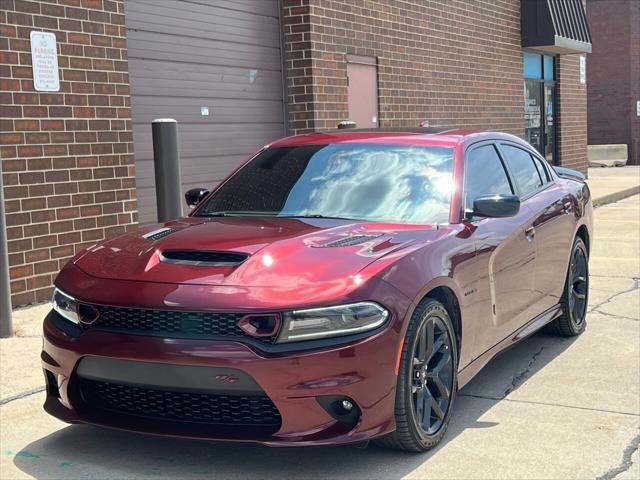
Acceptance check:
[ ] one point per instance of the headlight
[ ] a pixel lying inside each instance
(331, 321)
(66, 306)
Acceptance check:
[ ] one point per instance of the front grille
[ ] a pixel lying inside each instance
(156, 404)
(205, 325)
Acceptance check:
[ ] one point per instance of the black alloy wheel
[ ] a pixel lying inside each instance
(432, 375)
(427, 382)
(579, 286)
(575, 297)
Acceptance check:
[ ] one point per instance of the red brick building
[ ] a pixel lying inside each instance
(614, 75)
(77, 162)
(67, 156)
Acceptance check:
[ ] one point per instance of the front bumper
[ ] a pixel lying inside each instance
(363, 370)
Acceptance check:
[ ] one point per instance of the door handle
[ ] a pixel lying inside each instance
(530, 233)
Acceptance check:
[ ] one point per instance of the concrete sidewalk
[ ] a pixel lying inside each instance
(611, 184)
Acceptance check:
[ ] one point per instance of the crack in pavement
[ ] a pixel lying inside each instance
(521, 377)
(18, 396)
(611, 276)
(547, 404)
(618, 277)
(626, 463)
(615, 316)
(596, 308)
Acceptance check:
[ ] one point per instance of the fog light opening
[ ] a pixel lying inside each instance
(343, 409)
(266, 325)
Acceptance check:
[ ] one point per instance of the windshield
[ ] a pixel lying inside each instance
(373, 182)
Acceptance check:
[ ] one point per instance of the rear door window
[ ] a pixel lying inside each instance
(544, 173)
(484, 175)
(521, 164)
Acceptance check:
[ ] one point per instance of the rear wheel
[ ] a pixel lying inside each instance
(576, 293)
(426, 380)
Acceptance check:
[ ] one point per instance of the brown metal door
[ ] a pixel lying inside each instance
(216, 68)
(363, 93)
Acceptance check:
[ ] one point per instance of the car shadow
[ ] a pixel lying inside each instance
(81, 451)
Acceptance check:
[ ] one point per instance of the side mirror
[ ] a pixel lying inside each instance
(496, 206)
(195, 196)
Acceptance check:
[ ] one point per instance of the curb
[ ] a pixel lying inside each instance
(616, 196)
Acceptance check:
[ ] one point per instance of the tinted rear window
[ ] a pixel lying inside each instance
(521, 165)
(544, 174)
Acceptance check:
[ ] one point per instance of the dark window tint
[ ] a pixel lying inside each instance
(521, 165)
(484, 174)
(544, 175)
(378, 182)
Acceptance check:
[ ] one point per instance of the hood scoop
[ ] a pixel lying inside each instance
(203, 258)
(348, 241)
(158, 234)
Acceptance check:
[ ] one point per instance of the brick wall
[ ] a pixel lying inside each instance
(614, 74)
(572, 113)
(634, 94)
(452, 62)
(67, 157)
(298, 64)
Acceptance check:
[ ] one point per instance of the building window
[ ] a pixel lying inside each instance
(548, 70)
(532, 65)
(538, 66)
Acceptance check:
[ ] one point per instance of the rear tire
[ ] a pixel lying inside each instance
(427, 380)
(575, 296)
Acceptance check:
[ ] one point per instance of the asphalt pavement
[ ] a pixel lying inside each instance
(548, 408)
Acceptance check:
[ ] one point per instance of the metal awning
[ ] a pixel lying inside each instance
(555, 26)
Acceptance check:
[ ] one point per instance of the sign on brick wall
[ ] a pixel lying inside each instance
(44, 58)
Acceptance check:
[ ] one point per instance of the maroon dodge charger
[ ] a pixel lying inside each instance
(336, 288)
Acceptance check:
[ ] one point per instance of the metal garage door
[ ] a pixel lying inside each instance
(192, 55)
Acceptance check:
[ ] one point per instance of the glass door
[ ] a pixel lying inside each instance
(539, 115)
(533, 130)
(549, 123)
(539, 103)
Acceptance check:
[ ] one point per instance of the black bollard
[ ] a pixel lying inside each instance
(6, 324)
(167, 168)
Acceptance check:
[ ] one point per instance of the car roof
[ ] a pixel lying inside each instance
(411, 136)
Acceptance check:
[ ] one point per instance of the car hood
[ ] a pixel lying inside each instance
(279, 252)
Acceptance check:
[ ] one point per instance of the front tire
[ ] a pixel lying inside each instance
(427, 380)
(575, 296)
